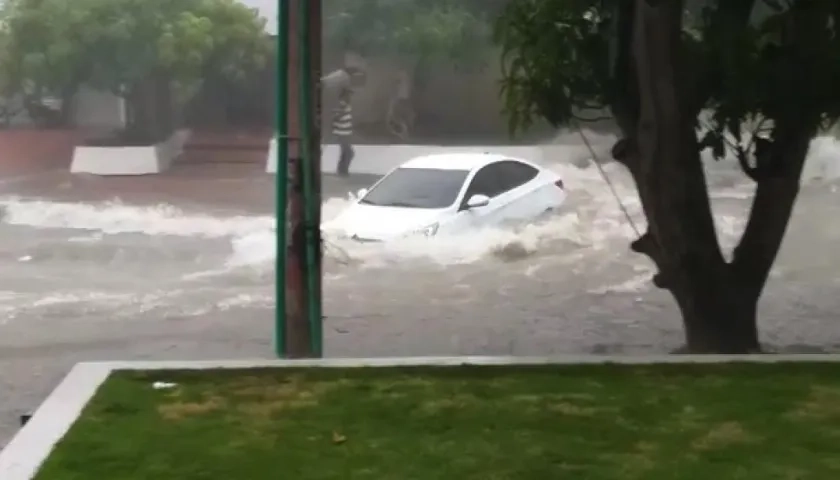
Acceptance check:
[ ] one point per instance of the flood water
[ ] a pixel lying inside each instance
(181, 266)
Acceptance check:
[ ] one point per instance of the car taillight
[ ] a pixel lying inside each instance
(559, 184)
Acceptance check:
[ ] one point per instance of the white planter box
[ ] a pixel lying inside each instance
(129, 160)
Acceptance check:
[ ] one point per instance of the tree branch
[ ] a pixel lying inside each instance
(771, 209)
(753, 172)
(591, 120)
(749, 170)
(781, 160)
(756, 145)
(728, 14)
(622, 97)
(741, 155)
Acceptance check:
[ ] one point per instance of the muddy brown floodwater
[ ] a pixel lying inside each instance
(179, 266)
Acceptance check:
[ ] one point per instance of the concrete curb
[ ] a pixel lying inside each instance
(26, 452)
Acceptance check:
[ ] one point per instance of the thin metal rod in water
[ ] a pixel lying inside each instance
(607, 179)
(282, 177)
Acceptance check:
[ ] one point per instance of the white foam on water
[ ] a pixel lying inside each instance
(591, 221)
(823, 161)
(245, 300)
(85, 297)
(259, 248)
(8, 306)
(116, 217)
(90, 238)
(117, 303)
(638, 283)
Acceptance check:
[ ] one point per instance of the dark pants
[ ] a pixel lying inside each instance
(345, 156)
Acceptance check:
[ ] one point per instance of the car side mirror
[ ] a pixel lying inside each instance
(361, 193)
(477, 201)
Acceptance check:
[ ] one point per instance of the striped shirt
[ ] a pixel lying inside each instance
(342, 120)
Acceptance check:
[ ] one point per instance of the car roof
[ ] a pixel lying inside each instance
(457, 161)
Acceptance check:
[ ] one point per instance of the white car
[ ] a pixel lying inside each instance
(448, 194)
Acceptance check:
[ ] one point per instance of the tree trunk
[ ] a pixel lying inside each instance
(150, 110)
(718, 315)
(164, 111)
(423, 121)
(718, 300)
(719, 311)
(140, 125)
(68, 105)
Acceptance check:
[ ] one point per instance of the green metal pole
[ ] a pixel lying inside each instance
(282, 178)
(313, 247)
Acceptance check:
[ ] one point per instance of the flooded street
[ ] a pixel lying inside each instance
(181, 266)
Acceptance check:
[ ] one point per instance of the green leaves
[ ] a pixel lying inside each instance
(37, 44)
(747, 62)
(783, 66)
(413, 29)
(555, 59)
(114, 44)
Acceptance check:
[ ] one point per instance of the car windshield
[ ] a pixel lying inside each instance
(417, 188)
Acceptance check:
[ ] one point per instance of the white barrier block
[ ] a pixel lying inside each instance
(118, 160)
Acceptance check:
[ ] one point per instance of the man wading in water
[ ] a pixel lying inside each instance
(342, 118)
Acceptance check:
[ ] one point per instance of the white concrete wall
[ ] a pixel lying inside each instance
(822, 164)
(380, 159)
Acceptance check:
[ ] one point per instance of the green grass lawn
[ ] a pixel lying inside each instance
(687, 422)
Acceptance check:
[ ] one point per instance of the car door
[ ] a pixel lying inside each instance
(508, 184)
(532, 192)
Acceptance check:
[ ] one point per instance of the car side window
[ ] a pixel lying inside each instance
(497, 178)
(515, 174)
(485, 182)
